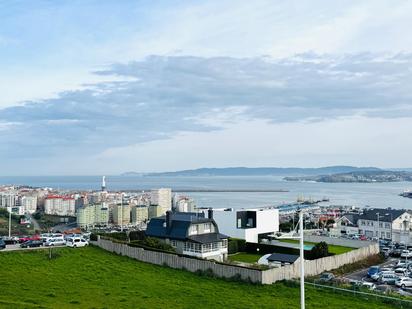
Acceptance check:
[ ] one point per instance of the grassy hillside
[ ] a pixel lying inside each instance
(93, 278)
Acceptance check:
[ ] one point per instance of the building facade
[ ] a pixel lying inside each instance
(29, 203)
(92, 215)
(121, 214)
(59, 205)
(140, 214)
(162, 198)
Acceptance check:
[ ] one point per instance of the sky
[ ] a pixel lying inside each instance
(104, 87)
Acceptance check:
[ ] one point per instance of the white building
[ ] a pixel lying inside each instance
(121, 214)
(59, 205)
(8, 199)
(140, 214)
(29, 203)
(184, 204)
(162, 198)
(248, 224)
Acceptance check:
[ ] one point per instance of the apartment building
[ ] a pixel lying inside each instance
(59, 205)
(92, 215)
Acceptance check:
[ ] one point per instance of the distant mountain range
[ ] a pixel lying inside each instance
(261, 171)
(358, 176)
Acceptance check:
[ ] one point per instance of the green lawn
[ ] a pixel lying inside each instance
(93, 278)
(332, 248)
(245, 257)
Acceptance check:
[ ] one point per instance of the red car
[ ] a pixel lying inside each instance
(363, 237)
(26, 238)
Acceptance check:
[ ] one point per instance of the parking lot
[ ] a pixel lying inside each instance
(17, 247)
(361, 276)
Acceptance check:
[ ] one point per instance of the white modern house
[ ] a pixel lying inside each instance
(249, 224)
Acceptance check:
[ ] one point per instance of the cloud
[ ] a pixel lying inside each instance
(166, 95)
(160, 97)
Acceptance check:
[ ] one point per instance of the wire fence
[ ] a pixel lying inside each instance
(402, 303)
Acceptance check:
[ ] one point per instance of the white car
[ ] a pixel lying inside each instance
(376, 276)
(369, 285)
(55, 241)
(401, 271)
(75, 242)
(404, 282)
(406, 254)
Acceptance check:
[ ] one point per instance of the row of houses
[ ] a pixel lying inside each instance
(377, 223)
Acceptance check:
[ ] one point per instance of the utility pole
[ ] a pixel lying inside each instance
(379, 236)
(9, 222)
(302, 262)
(121, 214)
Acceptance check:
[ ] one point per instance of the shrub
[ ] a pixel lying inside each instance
(318, 251)
(151, 242)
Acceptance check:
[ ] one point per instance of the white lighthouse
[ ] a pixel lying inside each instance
(104, 183)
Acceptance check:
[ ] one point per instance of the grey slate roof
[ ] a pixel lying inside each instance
(283, 258)
(181, 222)
(385, 214)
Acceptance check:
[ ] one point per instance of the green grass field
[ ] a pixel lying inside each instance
(332, 248)
(93, 278)
(245, 257)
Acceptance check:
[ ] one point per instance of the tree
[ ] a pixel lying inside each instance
(318, 251)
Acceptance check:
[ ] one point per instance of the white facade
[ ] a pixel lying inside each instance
(8, 199)
(59, 206)
(29, 204)
(121, 214)
(252, 224)
(163, 198)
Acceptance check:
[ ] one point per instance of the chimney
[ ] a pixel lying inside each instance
(210, 213)
(168, 219)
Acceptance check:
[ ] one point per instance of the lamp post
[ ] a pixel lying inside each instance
(301, 257)
(121, 213)
(390, 214)
(302, 263)
(379, 235)
(9, 222)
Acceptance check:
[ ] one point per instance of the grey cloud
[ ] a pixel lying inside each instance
(168, 94)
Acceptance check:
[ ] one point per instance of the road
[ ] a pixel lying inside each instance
(35, 223)
(17, 248)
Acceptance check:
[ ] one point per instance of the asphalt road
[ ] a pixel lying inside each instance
(17, 248)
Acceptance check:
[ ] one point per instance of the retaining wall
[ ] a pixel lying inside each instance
(312, 268)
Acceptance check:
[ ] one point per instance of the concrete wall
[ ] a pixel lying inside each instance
(312, 268)
(178, 262)
(318, 266)
(339, 241)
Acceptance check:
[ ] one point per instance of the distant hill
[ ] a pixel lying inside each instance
(262, 171)
(358, 176)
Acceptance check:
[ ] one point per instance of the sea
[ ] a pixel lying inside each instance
(377, 195)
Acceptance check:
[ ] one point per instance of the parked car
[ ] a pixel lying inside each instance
(406, 254)
(75, 242)
(371, 286)
(401, 271)
(376, 276)
(404, 282)
(388, 278)
(31, 244)
(2, 244)
(363, 237)
(400, 263)
(55, 241)
(396, 252)
(326, 277)
(372, 271)
(11, 240)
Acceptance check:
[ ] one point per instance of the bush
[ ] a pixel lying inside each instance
(93, 237)
(318, 251)
(137, 235)
(118, 236)
(155, 243)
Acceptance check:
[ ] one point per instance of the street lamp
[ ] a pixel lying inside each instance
(390, 214)
(378, 227)
(301, 258)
